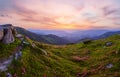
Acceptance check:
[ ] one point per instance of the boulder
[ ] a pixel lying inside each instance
(7, 33)
(110, 65)
(109, 44)
(19, 35)
(8, 37)
(1, 34)
(9, 75)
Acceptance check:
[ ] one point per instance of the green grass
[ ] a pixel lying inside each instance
(7, 49)
(59, 61)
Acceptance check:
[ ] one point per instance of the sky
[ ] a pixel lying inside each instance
(61, 14)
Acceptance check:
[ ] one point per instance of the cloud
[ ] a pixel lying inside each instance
(5, 15)
(117, 23)
(13, 7)
(41, 19)
(24, 12)
(91, 18)
(110, 10)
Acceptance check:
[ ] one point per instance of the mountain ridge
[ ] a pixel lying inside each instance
(50, 39)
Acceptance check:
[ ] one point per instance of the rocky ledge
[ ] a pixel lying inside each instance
(7, 33)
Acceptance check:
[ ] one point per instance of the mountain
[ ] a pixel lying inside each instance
(72, 35)
(104, 35)
(99, 58)
(50, 39)
(59, 33)
(79, 35)
(107, 34)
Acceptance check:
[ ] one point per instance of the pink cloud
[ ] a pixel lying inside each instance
(110, 10)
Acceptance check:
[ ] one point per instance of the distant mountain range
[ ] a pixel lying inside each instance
(50, 38)
(61, 37)
(108, 34)
(72, 35)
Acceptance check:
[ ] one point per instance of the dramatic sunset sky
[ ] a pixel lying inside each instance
(61, 14)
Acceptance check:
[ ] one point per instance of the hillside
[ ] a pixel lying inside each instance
(107, 34)
(50, 39)
(98, 58)
(73, 35)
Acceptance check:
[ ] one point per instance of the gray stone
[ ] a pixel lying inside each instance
(19, 36)
(109, 43)
(33, 45)
(1, 34)
(9, 75)
(109, 65)
(4, 65)
(18, 55)
(27, 43)
(8, 37)
(7, 33)
(45, 52)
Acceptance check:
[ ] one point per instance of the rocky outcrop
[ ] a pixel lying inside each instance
(4, 65)
(1, 34)
(7, 33)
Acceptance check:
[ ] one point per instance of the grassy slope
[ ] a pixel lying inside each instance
(59, 61)
(7, 49)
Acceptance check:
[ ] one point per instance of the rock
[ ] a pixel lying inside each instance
(5, 64)
(1, 34)
(18, 55)
(3, 68)
(45, 52)
(108, 43)
(33, 45)
(9, 75)
(19, 35)
(7, 33)
(109, 65)
(27, 43)
(8, 37)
